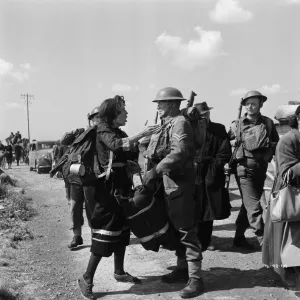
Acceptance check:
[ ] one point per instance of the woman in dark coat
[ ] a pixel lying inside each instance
(116, 153)
(281, 247)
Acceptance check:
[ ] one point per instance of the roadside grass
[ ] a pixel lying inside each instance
(15, 210)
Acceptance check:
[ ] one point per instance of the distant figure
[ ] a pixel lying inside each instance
(17, 138)
(18, 152)
(2, 155)
(9, 155)
(55, 152)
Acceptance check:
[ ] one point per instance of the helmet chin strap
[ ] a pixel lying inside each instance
(168, 111)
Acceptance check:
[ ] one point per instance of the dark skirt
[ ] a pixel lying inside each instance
(109, 227)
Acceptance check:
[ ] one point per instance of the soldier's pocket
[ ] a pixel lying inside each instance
(241, 171)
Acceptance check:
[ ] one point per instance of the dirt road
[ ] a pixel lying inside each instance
(50, 269)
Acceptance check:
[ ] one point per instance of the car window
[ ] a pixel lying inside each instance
(45, 145)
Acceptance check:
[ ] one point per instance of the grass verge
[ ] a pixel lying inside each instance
(15, 209)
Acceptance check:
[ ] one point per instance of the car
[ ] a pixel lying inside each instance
(40, 155)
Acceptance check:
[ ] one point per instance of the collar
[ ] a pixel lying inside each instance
(245, 118)
(171, 116)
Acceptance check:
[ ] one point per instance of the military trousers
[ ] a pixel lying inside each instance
(188, 252)
(80, 195)
(251, 177)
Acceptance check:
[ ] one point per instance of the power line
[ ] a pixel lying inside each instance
(27, 98)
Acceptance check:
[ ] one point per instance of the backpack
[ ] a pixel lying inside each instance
(256, 137)
(79, 165)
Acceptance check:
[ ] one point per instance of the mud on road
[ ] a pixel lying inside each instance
(47, 269)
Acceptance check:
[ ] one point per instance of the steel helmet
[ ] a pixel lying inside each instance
(252, 94)
(94, 112)
(168, 94)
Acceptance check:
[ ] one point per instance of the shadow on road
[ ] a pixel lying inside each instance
(215, 279)
(224, 244)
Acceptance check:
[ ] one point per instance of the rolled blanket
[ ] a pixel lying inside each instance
(148, 220)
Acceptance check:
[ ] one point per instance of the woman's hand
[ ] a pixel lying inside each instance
(152, 129)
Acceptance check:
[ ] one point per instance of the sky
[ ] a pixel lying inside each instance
(73, 54)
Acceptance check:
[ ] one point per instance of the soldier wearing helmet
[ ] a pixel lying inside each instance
(255, 137)
(171, 157)
(78, 195)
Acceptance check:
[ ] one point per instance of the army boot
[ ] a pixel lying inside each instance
(194, 288)
(177, 275)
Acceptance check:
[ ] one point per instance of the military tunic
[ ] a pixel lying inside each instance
(171, 153)
(251, 173)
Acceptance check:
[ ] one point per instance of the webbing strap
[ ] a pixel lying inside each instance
(108, 170)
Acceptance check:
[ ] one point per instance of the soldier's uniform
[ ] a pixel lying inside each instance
(171, 153)
(251, 174)
(77, 194)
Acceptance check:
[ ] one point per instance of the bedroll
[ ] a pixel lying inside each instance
(148, 220)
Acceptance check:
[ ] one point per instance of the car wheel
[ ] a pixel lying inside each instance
(38, 170)
(30, 169)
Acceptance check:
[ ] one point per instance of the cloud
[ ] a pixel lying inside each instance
(238, 92)
(26, 66)
(196, 52)
(13, 105)
(5, 67)
(19, 76)
(121, 88)
(8, 71)
(273, 89)
(229, 11)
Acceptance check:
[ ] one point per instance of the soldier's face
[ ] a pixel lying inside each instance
(95, 120)
(163, 107)
(253, 106)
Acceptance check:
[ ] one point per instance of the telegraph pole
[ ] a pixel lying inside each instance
(27, 98)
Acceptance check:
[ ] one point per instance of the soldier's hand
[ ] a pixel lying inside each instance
(152, 129)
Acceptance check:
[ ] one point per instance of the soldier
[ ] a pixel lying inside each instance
(256, 137)
(214, 152)
(76, 193)
(171, 154)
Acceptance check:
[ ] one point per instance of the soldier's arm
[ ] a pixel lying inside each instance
(182, 142)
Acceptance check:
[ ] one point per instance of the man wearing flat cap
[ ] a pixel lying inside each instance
(212, 153)
(255, 137)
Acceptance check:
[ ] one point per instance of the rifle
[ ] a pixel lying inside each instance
(190, 101)
(147, 161)
(232, 158)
